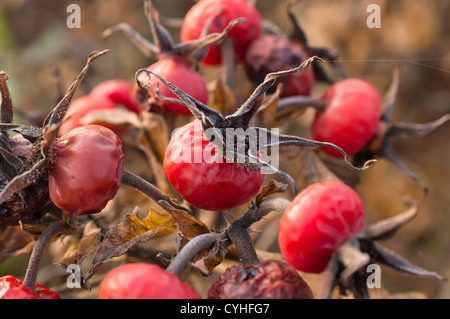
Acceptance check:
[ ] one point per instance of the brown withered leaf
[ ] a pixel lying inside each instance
(81, 245)
(130, 231)
(207, 259)
(222, 98)
(189, 226)
(115, 117)
(273, 187)
(15, 242)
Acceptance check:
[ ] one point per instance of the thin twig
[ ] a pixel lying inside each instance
(38, 250)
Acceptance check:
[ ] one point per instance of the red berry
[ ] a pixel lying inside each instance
(144, 281)
(82, 106)
(268, 280)
(273, 53)
(320, 219)
(179, 72)
(351, 117)
(202, 11)
(207, 183)
(87, 171)
(12, 288)
(117, 90)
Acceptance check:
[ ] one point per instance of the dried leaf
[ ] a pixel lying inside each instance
(129, 232)
(15, 242)
(189, 226)
(116, 117)
(80, 247)
(206, 260)
(273, 187)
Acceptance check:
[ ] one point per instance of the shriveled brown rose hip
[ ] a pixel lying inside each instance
(268, 280)
(273, 53)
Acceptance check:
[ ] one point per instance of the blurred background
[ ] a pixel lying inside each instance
(414, 34)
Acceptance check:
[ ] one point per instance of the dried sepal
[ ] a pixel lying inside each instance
(330, 55)
(58, 113)
(195, 48)
(32, 133)
(245, 112)
(347, 270)
(146, 47)
(23, 180)
(379, 144)
(386, 229)
(6, 108)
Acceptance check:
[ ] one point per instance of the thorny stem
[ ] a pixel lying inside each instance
(192, 248)
(38, 250)
(238, 230)
(148, 189)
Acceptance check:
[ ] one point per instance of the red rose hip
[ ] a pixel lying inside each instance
(80, 108)
(223, 11)
(87, 171)
(201, 175)
(13, 288)
(319, 220)
(351, 118)
(179, 72)
(272, 53)
(144, 281)
(117, 90)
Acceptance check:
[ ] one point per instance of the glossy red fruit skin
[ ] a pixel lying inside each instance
(179, 72)
(12, 288)
(273, 53)
(213, 184)
(117, 90)
(268, 280)
(82, 106)
(144, 281)
(351, 117)
(319, 220)
(87, 169)
(242, 34)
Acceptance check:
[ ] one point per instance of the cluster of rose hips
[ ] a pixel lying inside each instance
(78, 167)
